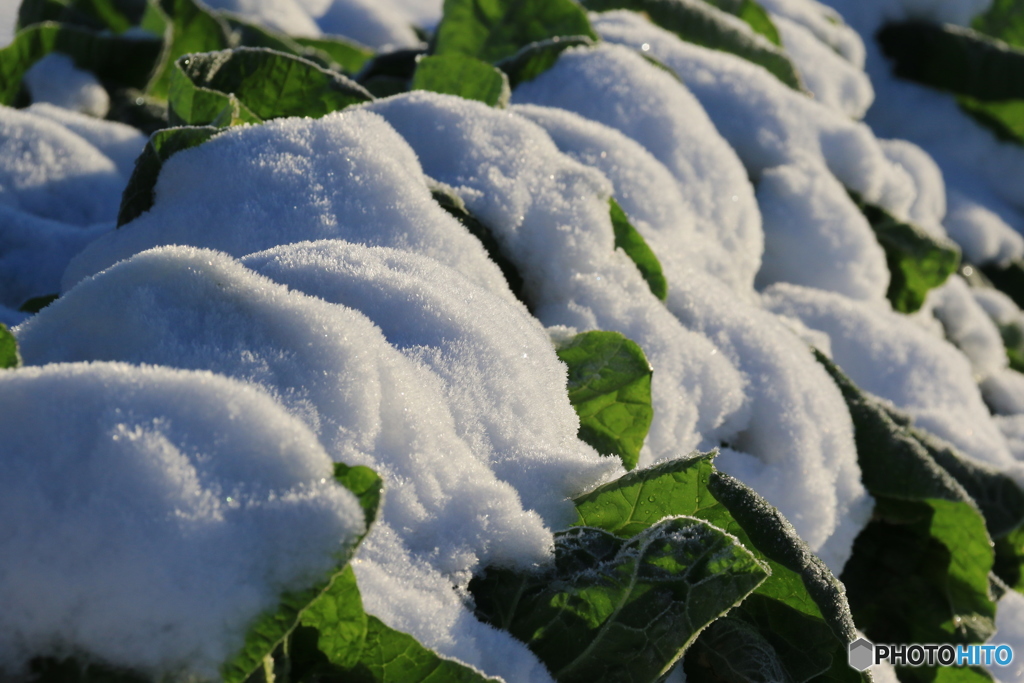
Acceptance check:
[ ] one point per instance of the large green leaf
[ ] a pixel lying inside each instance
(621, 610)
(138, 196)
(1004, 19)
(9, 356)
(191, 105)
(189, 27)
(127, 61)
(492, 30)
(699, 22)
(468, 77)
(630, 241)
(610, 388)
(451, 202)
(534, 59)
(917, 260)
(335, 599)
(919, 570)
(266, 83)
(796, 622)
(752, 13)
(955, 59)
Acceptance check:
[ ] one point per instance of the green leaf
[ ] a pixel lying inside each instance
(1008, 279)
(1009, 562)
(797, 620)
(451, 202)
(699, 22)
(266, 83)
(630, 241)
(38, 303)
(114, 15)
(534, 59)
(942, 674)
(1005, 119)
(468, 77)
(333, 604)
(610, 388)
(917, 261)
(190, 105)
(9, 356)
(621, 610)
(337, 621)
(138, 196)
(189, 27)
(492, 30)
(1004, 19)
(752, 13)
(348, 55)
(919, 570)
(121, 60)
(393, 656)
(955, 59)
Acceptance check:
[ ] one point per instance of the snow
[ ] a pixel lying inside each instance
(207, 499)
(575, 279)
(969, 327)
(445, 508)
(921, 374)
(346, 176)
(1009, 631)
(56, 80)
(616, 87)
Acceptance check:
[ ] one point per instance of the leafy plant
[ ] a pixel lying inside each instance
(703, 23)
(9, 357)
(621, 610)
(610, 388)
(632, 243)
(456, 74)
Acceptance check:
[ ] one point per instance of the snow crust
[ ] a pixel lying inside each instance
(204, 497)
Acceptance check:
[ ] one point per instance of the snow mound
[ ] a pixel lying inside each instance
(205, 498)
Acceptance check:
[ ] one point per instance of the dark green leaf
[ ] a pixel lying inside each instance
(610, 388)
(1009, 563)
(955, 59)
(1008, 279)
(630, 241)
(9, 356)
(796, 621)
(752, 13)
(534, 59)
(919, 571)
(350, 56)
(1005, 119)
(618, 610)
(333, 606)
(189, 27)
(453, 204)
(917, 261)
(138, 195)
(268, 84)
(38, 303)
(115, 59)
(74, 670)
(699, 22)
(114, 15)
(468, 77)
(391, 656)
(492, 30)
(1004, 19)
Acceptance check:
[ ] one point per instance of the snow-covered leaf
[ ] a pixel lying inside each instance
(267, 85)
(917, 260)
(798, 617)
(621, 610)
(696, 21)
(468, 77)
(534, 59)
(138, 195)
(9, 357)
(919, 570)
(630, 241)
(610, 388)
(493, 30)
(116, 59)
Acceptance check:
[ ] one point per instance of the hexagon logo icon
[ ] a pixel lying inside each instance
(862, 654)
